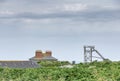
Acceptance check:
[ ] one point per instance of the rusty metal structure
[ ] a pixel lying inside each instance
(88, 54)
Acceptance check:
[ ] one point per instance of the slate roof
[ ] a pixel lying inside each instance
(49, 58)
(19, 64)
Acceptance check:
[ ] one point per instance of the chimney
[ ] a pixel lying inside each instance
(48, 53)
(38, 54)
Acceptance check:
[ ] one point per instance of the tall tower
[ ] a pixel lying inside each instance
(88, 54)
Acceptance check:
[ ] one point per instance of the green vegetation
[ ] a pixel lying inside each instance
(53, 63)
(51, 71)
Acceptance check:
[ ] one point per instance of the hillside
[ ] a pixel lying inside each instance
(95, 71)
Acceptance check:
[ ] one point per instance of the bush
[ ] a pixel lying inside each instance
(96, 71)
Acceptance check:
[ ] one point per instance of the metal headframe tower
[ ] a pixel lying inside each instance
(88, 54)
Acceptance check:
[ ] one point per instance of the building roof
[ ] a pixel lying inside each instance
(19, 64)
(49, 58)
(44, 58)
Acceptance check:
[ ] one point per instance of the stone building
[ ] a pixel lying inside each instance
(39, 55)
(31, 63)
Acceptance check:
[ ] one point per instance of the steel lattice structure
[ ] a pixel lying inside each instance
(88, 54)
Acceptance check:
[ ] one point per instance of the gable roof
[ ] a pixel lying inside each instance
(49, 58)
(19, 64)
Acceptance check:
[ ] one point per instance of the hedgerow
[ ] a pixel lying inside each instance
(95, 71)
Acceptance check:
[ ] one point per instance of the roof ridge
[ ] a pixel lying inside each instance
(13, 60)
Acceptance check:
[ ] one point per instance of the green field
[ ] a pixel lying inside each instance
(51, 71)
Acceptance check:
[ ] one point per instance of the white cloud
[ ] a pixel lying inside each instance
(110, 7)
(75, 7)
(28, 20)
(6, 12)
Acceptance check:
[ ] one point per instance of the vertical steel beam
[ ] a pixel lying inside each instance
(85, 54)
(88, 54)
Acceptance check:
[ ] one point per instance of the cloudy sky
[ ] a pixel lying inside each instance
(62, 26)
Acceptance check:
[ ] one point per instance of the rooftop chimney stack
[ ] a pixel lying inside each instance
(48, 53)
(38, 54)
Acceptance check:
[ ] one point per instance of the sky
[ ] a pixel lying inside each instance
(62, 26)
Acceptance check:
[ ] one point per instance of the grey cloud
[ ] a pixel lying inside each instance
(2, 0)
(51, 1)
(36, 2)
(117, 1)
(103, 15)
